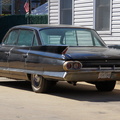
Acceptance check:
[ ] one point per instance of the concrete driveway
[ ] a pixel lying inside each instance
(64, 102)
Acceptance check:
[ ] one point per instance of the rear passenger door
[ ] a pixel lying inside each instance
(19, 53)
(5, 49)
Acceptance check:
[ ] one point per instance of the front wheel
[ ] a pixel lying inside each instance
(105, 85)
(39, 84)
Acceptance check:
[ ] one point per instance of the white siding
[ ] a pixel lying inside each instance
(53, 11)
(114, 36)
(83, 13)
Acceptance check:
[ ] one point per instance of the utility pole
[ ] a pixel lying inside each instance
(29, 1)
(29, 7)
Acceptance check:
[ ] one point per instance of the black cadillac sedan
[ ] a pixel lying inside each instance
(46, 54)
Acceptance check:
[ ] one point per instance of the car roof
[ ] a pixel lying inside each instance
(41, 26)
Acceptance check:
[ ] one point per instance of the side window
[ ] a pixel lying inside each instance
(11, 39)
(25, 37)
(102, 15)
(66, 12)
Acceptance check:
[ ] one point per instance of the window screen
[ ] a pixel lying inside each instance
(102, 16)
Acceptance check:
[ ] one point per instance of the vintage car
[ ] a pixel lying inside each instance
(46, 54)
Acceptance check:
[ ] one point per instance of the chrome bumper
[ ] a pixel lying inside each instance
(84, 75)
(99, 75)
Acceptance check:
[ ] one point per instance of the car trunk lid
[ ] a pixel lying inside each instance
(91, 53)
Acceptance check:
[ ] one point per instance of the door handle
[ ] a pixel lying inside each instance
(7, 53)
(25, 55)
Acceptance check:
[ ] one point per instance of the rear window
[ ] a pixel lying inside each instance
(70, 37)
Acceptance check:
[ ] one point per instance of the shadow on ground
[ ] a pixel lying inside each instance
(81, 92)
(23, 85)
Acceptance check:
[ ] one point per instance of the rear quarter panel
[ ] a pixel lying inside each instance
(45, 59)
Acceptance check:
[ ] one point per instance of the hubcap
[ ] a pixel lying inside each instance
(37, 80)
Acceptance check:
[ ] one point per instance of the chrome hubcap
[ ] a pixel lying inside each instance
(37, 80)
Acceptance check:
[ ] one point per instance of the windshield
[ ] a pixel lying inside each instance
(70, 37)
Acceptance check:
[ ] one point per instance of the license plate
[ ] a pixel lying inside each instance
(103, 75)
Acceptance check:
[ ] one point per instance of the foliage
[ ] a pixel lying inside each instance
(37, 19)
(6, 22)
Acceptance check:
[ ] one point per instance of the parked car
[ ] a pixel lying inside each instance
(46, 54)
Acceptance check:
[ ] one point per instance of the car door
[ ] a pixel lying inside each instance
(19, 53)
(5, 49)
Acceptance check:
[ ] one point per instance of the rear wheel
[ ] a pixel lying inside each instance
(105, 85)
(39, 84)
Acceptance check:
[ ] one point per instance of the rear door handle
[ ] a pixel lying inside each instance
(25, 55)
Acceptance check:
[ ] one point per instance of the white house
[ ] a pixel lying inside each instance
(102, 15)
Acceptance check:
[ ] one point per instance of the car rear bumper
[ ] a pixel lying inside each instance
(87, 76)
(92, 75)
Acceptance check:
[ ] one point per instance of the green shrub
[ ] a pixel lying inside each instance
(6, 22)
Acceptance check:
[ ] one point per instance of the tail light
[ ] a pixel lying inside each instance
(65, 50)
(72, 65)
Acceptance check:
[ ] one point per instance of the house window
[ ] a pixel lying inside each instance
(6, 6)
(66, 12)
(102, 15)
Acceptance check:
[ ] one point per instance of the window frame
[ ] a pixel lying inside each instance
(72, 17)
(94, 19)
